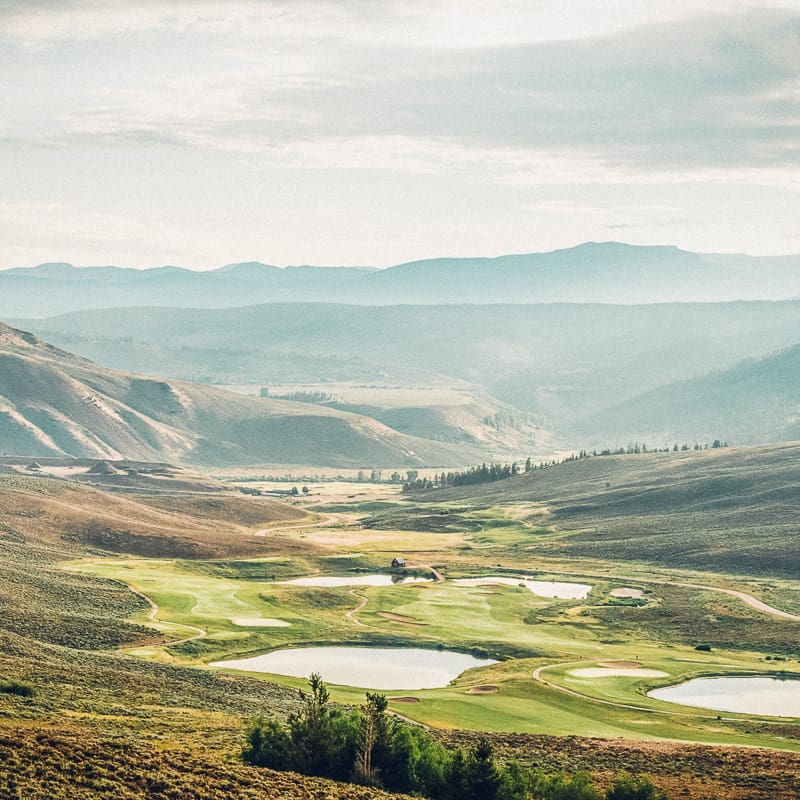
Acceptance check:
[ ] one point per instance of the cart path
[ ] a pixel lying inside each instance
(747, 599)
(362, 602)
(753, 602)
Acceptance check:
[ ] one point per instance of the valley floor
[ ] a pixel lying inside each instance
(116, 645)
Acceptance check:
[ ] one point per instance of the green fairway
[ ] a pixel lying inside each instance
(220, 610)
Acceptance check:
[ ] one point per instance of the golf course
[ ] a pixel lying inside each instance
(566, 645)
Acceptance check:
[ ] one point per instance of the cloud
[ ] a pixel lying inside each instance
(526, 104)
(709, 95)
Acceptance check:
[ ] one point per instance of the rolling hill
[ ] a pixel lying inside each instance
(723, 510)
(55, 403)
(560, 363)
(756, 400)
(609, 272)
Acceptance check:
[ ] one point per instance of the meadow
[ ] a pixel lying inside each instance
(114, 636)
(541, 642)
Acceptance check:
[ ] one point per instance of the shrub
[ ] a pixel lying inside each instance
(19, 689)
(626, 787)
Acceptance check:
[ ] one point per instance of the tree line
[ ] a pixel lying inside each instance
(496, 472)
(372, 747)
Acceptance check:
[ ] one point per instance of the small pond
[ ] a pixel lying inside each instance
(763, 696)
(354, 580)
(555, 589)
(368, 667)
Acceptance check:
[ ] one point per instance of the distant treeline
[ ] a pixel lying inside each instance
(371, 746)
(497, 472)
(481, 474)
(318, 398)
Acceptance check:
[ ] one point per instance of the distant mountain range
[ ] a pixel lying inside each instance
(53, 403)
(589, 273)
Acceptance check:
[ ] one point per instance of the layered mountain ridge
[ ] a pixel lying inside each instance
(608, 272)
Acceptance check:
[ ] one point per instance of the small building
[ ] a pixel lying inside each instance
(398, 563)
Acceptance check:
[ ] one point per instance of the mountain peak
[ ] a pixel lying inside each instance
(246, 268)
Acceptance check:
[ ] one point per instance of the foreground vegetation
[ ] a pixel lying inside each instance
(368, 746)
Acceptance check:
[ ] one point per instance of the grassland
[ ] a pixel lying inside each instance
(131, 667)
(502, 621)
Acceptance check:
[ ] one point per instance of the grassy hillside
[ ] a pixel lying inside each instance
(54, 403)
(98, 724)
(729, 510)
(754, 401)
(103, 723)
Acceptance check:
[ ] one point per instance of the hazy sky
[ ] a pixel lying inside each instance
(147, 132)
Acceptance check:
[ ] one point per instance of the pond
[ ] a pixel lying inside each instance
(353, 580)
(554, 589)
(368, 667)
(764, 696)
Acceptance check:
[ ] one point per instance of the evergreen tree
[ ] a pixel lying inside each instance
(482, 776)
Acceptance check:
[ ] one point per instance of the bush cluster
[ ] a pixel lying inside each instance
(374, 748)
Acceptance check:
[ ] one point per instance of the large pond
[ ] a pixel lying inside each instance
(555, 589)
(353, 580)
(770, 697)
(368, 667)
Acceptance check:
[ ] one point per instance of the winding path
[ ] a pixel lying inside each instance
(747, 599)
(362, 602)
(537, 676)
(753, 602)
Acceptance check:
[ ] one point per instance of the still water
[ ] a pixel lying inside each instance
(556, 589)
(353, 580)
(368, 667)
(770, 697)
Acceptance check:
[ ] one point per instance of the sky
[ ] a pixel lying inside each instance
(151, 132)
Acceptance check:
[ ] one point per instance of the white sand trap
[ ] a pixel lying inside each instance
(260, 622)
(605, 672)
(626, 591)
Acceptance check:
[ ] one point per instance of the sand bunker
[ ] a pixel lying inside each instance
(482, 690)
(404, 699)
(605, 672)
(619, 664)
(626, 591)
(260, 622)
(403, 619)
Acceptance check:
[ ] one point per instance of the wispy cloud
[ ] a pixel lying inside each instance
(717, 93)
(511, 98)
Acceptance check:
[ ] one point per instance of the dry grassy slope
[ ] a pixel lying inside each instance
(730, 509)
(61, 515)
(45, 521)
(55, 403)
(42, 764)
